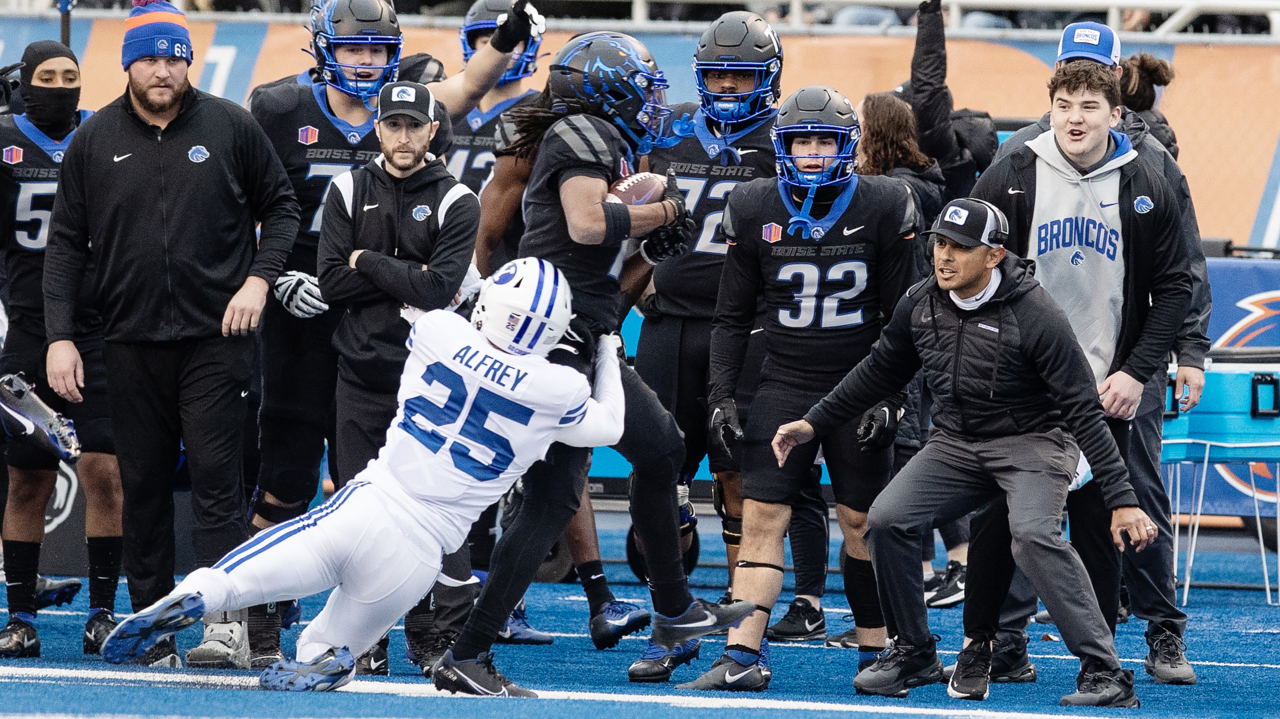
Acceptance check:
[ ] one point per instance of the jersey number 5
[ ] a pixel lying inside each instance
(483, 404)
(807, 296)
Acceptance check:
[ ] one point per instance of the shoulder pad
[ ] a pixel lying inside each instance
(583, 139)
(277, 97)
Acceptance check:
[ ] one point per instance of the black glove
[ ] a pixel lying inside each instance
(934, 6)
(879, 427)
(724, 416)
(521, 23)
(7, 85)
(674, 238)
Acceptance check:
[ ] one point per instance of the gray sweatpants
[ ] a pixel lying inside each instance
(951, 477)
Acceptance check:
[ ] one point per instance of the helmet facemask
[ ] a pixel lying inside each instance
(526, 60)
(730, 108)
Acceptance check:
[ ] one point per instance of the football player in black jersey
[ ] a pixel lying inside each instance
(472, 156)
(613, 110)
(321, 125)
(738, 71)
(33, 145)
(830, 253)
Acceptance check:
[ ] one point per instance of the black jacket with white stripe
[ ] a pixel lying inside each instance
(417, 234)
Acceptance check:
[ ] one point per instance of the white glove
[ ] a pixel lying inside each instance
(299, 292)
(471, 284)
(608, 346)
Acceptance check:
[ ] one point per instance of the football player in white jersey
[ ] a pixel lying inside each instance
(478, 405)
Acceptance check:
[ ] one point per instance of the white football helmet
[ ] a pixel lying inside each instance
(525, 307)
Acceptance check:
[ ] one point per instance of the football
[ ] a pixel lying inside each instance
(642, 188)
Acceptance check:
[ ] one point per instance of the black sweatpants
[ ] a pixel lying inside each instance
(187, 395)
(651, 442)
(991, 591)
(299, 376)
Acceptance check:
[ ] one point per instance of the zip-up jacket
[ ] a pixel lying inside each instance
(171, 214)
(1192, 344)
(1157, 279)
(1008, 368)
(417, 234)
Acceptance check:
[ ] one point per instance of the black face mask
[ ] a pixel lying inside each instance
(52, 109)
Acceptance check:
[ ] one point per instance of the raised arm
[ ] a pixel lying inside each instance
(462, 92)
(600, 423)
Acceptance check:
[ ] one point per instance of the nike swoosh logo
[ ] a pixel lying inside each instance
(708, 621)
(118, 158)
(810, 627)
(244, 394)
(596, 576)
(730, 677)
(1113, 204)
(616, 622)
(743, 152)
(375, 664)
(370, 207)
(29, 641)
(848, 231)
(1016, 192)
(26, 423)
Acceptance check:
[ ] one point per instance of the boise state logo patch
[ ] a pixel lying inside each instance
(57, 156)
(1077, 259)
(713, 150)
(817, 233)
(421, 212)
(404, 94)
(198, 154)
(506, 274)
(308, 135)
(353, 138)
(1143, 205)
(12, 154)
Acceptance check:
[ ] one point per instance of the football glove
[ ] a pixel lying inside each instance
(666, 242)
(520, 24)
(299, 292)
(724, 417)
(879, 427)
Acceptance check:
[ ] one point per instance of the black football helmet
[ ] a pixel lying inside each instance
(355, 22)
(739, 41)
(481, 19)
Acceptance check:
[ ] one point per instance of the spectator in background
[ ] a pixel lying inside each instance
(169, 183)
(964, 141)
(1140, 76)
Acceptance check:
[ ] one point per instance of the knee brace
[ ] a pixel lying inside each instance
(732, 526)
(275, 513)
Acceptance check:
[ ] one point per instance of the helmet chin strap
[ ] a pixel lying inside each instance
(802, 220)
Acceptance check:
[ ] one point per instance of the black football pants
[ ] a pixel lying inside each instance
(185, 396)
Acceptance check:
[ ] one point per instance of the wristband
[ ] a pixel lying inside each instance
(617, 223)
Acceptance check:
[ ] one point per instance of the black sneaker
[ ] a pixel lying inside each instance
(374, 662)
(264, 636)
(101, 623)
(951, 592)
(802, 623)
(933, 584)
(55, 592)
(727, 675)
(474, 676)
(1009, 664)
(1166, 662)
(700, 619)
(971, 679)
(19, 640)
(1103, 688)
(426, 656)
(900, 668)
(847, 639)
(657, 664)
(615, 621)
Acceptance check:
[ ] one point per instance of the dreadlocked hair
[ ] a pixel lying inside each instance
(888, 136)
(532, 122)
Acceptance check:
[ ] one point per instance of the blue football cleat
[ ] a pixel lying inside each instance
(137, 633)
(55, 592)
(517, 630)
(23, 414)
(327, 672)
(657, 664)
(615, 621)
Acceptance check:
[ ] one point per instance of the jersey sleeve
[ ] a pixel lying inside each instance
(576, 148)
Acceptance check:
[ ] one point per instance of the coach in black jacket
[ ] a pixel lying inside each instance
(396, 240)
(168, 184)
(1014, 405)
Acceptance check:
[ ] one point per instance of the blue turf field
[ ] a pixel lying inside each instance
(1233, 643)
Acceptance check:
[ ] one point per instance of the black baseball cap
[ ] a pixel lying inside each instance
(407, 98)
(971, 223)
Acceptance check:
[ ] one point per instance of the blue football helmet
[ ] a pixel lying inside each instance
(617, 74)
(482, 18)
(355, 22)
(739, 41)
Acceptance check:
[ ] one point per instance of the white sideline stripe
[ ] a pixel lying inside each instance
(422, 689)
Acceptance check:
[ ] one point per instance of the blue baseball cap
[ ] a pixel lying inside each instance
(1090, 41)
